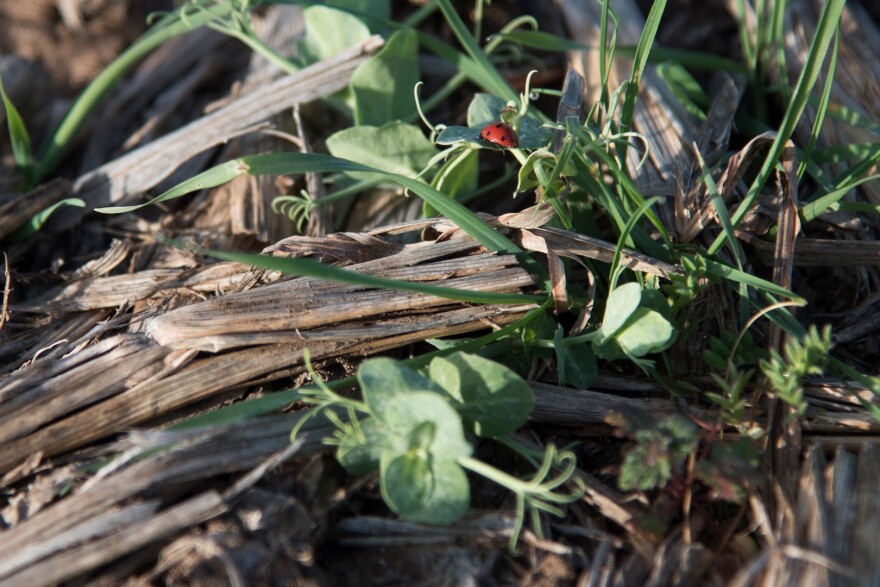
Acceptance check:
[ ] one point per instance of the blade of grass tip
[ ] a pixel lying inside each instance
(606, 49)
(300, 163)
(726, 272)
(777, 41)
(825, 31)
(640, 61)
(820, 205)
(312, 268)
(853, 174)
(822, 108)
(19, 138)
(172, 25)
(39, 219)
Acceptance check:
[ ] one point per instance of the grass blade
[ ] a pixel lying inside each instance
(299, 163)
(19, 137)
(312, 268)
(825, 32)
(640, 61)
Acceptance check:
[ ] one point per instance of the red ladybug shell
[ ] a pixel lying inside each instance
(499, 134)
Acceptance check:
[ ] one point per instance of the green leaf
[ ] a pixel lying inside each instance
(406, 481)
(384, 380)
(383, 85)
(394, 148)
(581, 368)
(40, 218)
(527, 179)
(411, 410)
(329, 32)
(645, 332)
(360, 453)
(622, 302)
(18, 136)
(458, 134)
(377, 9)
(491, 398)
(450, 495)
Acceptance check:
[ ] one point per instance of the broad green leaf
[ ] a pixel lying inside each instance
(383, 85)
(653, 299)
(329, 32)
(622, 302)
(384, 380)
(406, 481)
(580, 366)
(395, 147)
(450, 496)
(483, 109)
(408, 411)
(360, 455)
(378, 9)
(18, 136)
(645, 332)
(458, 134)
(491, 398)
(527, 178)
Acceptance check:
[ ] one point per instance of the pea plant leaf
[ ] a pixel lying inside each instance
(394, 147)
(382, 86)
(491, 398)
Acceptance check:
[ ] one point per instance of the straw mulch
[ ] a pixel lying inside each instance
(108, 337)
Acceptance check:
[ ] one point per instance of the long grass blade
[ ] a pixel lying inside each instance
(299, 163)
(825, 32)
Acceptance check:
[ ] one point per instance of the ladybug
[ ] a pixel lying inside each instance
(500, 134)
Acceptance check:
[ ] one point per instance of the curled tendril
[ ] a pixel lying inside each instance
(434, 129)
(297, 207)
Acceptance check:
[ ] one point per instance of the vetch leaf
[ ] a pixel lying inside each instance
(360, 455)
(406, 481)
(450, 496)
(527, 178)
(645, 332)
(580, 366)
(491, 398)
(622, 302)
(382, 86)
(384, 380)
(329, 32)
(395, 148)
(458, 134)
(411, 410)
